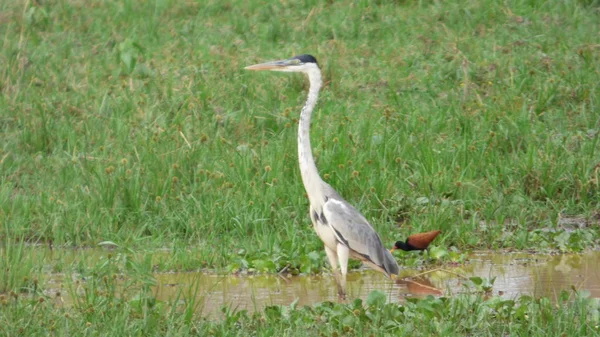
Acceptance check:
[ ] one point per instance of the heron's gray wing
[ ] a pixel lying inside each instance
(354, 231)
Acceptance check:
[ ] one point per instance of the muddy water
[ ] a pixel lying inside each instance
(515, 274)
(538, 275)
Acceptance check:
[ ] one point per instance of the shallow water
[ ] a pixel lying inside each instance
(516, 274)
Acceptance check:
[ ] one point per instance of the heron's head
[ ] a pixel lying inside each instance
(301, 63)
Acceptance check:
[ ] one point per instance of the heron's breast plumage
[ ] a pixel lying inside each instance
(323, 230)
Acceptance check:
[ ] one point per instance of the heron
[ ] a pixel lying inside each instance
(345, 232)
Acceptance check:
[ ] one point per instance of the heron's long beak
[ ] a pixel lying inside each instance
(273, 65)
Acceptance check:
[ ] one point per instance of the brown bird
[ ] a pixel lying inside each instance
(419, 241)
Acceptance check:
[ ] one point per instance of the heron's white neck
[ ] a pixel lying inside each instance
(308, 169)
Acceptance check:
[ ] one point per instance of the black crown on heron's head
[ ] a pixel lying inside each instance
(306, 58)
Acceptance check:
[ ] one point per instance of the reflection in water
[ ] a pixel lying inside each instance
(419, 286)
(516, 274)
(256, 292)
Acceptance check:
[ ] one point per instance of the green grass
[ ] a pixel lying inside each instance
(100, 312)
(134, 122)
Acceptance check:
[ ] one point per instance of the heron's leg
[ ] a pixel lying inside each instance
(342, 254)
(333, 261)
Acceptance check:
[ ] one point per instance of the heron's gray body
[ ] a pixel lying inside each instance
(339, 223)
(344, 230)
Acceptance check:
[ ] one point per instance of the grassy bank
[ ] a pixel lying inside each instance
(135, 123)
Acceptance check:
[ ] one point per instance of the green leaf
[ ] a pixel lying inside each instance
(129, 60)
(583, 293)
(564, 296)
(263, 265)
(376, 298)
(314, 256)
(562, 240)
(348, 320)
(129, 51)
(437, 253)
(294, 304)
(476, 280)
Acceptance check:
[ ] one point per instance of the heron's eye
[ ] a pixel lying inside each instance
(295, 61)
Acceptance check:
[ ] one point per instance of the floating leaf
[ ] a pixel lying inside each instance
(476, 280)
(583, 293)
(437, 253)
